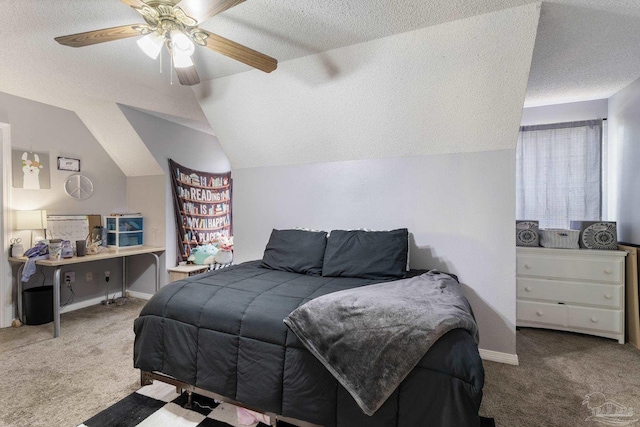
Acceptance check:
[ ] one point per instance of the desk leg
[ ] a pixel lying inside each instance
(56, 302)
(124, 276)
(124, 273)
(157, 261)
(19, 290)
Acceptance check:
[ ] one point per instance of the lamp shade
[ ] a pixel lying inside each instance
(31, 220)
(151, 44)
(181, 61)
(181, 44)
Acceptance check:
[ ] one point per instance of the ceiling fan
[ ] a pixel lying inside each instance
(174, 24)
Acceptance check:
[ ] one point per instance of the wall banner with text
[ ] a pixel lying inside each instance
(202, 206)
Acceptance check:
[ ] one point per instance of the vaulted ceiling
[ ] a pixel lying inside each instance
(585, 49)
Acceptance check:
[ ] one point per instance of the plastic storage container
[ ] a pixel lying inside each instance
(124, 231)
(37, 305)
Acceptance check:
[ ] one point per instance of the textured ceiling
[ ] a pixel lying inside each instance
(584, 53)
(586, 49)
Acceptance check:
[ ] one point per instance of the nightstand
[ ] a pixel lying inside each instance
(183, 271)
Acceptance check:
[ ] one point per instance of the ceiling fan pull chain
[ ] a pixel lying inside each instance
(160, 62)
(171, 70)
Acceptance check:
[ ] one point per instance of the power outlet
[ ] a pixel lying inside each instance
(70, 277)
(88, 276)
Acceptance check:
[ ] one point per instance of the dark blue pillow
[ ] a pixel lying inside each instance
(367, 254)
(297, 251)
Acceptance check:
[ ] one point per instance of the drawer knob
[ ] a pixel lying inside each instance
(539, 313)
(608, 296)
(608, 271)
(527, 288)
(594, 320)
(527, 266)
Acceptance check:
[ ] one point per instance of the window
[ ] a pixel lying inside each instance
(559, 173)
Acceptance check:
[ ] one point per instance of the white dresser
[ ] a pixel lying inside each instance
(571, 290)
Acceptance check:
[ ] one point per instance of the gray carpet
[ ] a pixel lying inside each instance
(64, 381)
(557, 370)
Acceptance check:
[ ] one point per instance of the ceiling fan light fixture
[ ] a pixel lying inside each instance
(151, 44)
(181, 43)
(181, 61)
(174, 24)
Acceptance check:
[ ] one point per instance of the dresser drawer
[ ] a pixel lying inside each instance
(539, 312)
(596, 319)
(596, 269)
(570, 292)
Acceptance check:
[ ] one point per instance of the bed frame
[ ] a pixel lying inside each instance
(147, 378)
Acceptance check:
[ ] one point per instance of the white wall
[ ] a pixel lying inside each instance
(370, 132)
(454, 205)
(60, 132)
(6, 288)
(624, 134)
(189, 147)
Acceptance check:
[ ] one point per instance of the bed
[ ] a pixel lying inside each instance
(223, 334)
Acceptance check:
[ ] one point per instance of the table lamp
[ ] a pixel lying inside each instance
(32, 220)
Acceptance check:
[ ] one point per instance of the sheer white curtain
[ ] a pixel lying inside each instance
(559, 173)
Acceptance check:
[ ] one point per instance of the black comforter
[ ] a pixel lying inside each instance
(223, 331)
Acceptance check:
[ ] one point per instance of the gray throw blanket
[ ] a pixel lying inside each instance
(371, 337)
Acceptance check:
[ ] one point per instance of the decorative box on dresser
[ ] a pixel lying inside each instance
(577, 290)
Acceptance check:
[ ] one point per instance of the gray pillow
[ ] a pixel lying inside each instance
(297, 251)
(367, 254)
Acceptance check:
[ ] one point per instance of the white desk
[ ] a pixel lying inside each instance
(58, 264)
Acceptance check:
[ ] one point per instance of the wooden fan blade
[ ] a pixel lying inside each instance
(99, 36)
(240, 53)
(201, 10)
(188, 76)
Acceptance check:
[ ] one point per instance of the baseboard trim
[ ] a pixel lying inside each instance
(140, 295)
(95, 301)
(79, 305)
(496, 356)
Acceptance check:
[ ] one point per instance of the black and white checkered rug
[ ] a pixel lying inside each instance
(158, 405)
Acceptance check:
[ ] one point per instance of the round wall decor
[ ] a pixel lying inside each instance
(78, 187)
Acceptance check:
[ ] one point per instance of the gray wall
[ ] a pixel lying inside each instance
(146, 194)
(189, 147)
(41, 127)
(624, 134)
(454, 205)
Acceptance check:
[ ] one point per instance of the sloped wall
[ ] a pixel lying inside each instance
(152, 195)
(416, 130)
(59, 132)
(434, 90)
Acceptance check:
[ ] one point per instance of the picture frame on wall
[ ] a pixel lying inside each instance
(30, 169)
(68, 164)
